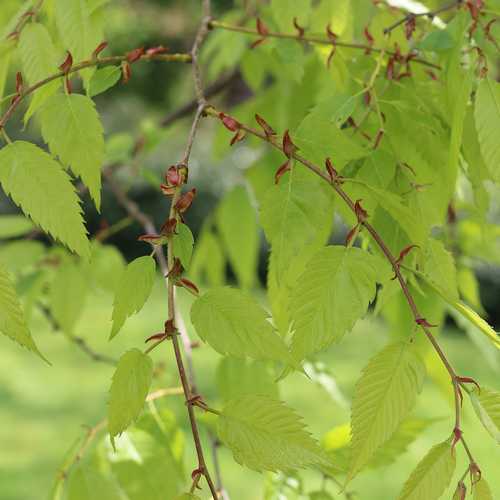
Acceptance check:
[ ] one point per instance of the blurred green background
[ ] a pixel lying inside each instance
(44, 409)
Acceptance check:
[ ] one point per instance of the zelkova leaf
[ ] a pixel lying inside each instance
(103, 79)
(14, 225)
(87, 482)
(38, 184)
(233, 323)
(39, 59)
(264, 434)
(335, 290)
(12, 322)
(129, 388)
(481, 490)
(486, 404)
(432, 475)
(183, 244)
(487, 118)
(384, 395)
(81, 146)
(133, 290)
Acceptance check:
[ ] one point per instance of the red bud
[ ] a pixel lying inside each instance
(156, 336)
(289, 147)
(457, 435)
(281, 171)
(257, 42)
(299, 28)
(170, 327)
(351, 234)
(361, 213)
(167, 190)
(268, 130)
(99, 49)
(173, 177)
(332, 172)
(153, 239)
(410, 26)
(188, 285)
(239, 136)
(229, 122)
(65, 67)
(468, 380)
(153, 51)
(168, 228)
(460, 492)
(369, 39)
(424, 323)
(475, 473)
(176, 269)
(185, 201)
(405, 252)
(126, 71)
(330, 34)
(135, 55)
(378, 138)
(389, 74)
(19, 82)
(330, 56)
(262, 28)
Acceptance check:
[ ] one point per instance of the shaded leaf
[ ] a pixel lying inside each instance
(487, 407)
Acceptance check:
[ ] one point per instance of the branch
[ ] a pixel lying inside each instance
(321, 40)
(100, 62)
(23, 20)
(419, 320)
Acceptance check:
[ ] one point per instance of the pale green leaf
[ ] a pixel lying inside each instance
(264, 434)
(237, 225)
(134, 288)
(103, 79)
(68, 293)
(12, 322)
(187, 496)
(44, 191)
(81, 146)
(439, 267)
(208, 261)
(486, 404)
(87, 482)
(384, 395)
(6, 50)
(481, 490)
(233, 323)
(320, 495)
(285, 10)
(432, 475)
(487, 118)
(106, 266)
(14, 225)
(183, 244)
(39, 60)
(335, 290)
(129, 388)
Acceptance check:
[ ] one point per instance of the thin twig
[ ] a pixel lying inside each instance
(23, 20)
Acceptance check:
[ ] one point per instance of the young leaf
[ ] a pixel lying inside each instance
(12, 321)
(208, 259)
(43, 190)
(432, 475)
(39, 59)
(264, 434)
(87, 482)
(237, 224)
(481, 490)
(487, 117)
(103, 79)
(440, 268)
(487, 407)
(384, 395)
(334, 292)
(183, 244)
(133, 290)
(81, 146)
(12, 226)
(129, 388)
(233, 323)
(68, 292)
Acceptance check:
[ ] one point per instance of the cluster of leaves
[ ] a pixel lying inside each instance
(408, 121)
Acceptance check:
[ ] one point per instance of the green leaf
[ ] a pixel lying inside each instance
(68, 292)
(81, 146)
(187, 496)
(12, 321)
(285, 10)
(237, 225)
(106, 266)
(183, 244)
(334, 292)
(440, 268)
(233, 323)
(384, 395)
(320, 495)
(129, 388)
(87, 483)
(437, 41)
(134, 288)
(44, 191)
(432, 475)
(12, 226)
(208, 260)
(103, 79)
(264, 434)
(6, 50)
(487, 117)
(39, 59)
(486, 404)
(481, 490)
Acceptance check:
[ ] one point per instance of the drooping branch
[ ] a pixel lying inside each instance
(419, 319)
(315, 39)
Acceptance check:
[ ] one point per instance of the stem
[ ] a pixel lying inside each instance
(211, 111)
(321, 40)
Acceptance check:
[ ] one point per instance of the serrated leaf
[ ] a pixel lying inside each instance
(81, 146)
(233, 323)
(103, 79)
(384, 395)
(68, 293)
(14, 225)
(487, 118)
(106, 266)
(237, 224)
(432, 475)
(87, 482)
(334, 292)
(487, 407)
(39, 60)
(264, 434)
(481, 490)
(208, 260)
(439, 267)
(134, 288)
(6, 50)
(183, 244)
(129, 388)
(44, 191)
(12, 322)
